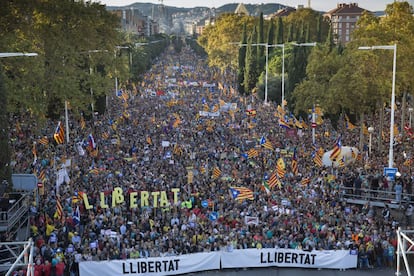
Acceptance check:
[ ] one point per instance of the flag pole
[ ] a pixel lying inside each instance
(66, 122)
(313, 124)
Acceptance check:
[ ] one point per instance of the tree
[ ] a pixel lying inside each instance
(323, 64)
(261, 59)
(242, 62)
(5, 172)
(279, 31)
(250, 73)
(62, 33)
(218, 39)
(271, 34)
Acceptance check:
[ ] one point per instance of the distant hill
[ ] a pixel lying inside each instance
(150, 8)
(253, 9)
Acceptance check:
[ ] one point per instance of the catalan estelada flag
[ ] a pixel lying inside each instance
(59, 134)
(336, 151)
(266, 143)
(241, 193)
(283, 124)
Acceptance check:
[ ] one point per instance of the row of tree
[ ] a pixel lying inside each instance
(246, 37)
(81, 51)
(331, 75)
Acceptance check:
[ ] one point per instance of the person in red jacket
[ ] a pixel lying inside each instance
(47, 268)
(60, 268)
(38, 268)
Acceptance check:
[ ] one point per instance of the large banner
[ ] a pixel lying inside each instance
(265, 257)
(331, 259)
(152, 266)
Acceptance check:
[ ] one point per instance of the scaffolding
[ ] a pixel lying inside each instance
(405, 246)
(20, 253)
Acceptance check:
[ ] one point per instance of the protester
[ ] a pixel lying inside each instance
(154, 139)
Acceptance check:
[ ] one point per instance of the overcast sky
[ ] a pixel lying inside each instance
(321, 5)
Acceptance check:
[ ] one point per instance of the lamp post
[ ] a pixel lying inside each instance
(394, 68)
(410, 110)
(4, 55)
(370, 130)
(130, 58)
(283, 63)
(267, 66)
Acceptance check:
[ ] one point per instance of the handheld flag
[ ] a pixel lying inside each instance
(216, 172)
(266, 143)
(44, 141)
(241, 193)
(252, 153)
(336, 151)
(295, 162)
(274, 181)
(91, 142)
(265, 186)
(59, 134)
(281, 167)
(76, 216)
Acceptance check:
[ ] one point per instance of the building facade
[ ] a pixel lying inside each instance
(132, 21)
(343, 20)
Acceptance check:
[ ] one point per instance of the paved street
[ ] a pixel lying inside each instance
(298, 272)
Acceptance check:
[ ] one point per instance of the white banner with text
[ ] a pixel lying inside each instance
(152, 266)
(266, 257)
(245, 258)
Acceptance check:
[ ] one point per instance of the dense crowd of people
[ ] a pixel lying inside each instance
(155, 139)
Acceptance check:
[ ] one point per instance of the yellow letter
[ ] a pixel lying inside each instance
(175, 191)
(117, 196)
(163, 199)
(155, 198)
(133, 200)
(144, 198)
(102, 201)
(86, 202)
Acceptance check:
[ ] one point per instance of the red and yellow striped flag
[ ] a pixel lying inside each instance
(44, 141)
(216, 172)
(59, 134)
(252, 153)
(281, 167)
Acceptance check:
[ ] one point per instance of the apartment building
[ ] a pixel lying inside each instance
(343, 19)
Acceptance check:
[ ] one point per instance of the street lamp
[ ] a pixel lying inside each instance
(283, 63)
(130, 60)
(370, 130)
(410, 110)
(4, 55)
(267, 66)
(394, 67)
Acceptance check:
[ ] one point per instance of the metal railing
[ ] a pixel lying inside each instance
(379, 197)
(16, 215)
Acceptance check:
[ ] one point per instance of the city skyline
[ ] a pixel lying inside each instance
(322, 5)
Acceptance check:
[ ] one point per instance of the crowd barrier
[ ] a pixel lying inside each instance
(244, 258)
